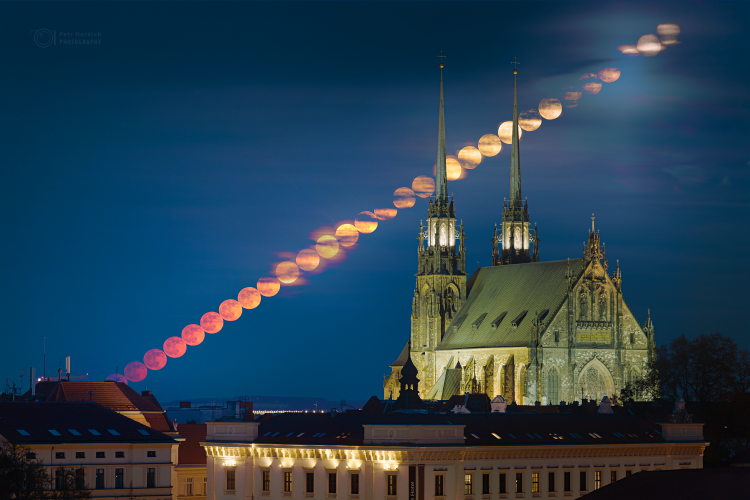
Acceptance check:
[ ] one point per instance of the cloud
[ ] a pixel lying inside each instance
(687, 174)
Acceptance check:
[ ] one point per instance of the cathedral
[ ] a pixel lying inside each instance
(529, 330)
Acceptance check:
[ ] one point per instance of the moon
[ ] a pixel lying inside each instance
(550, 108)
(211, 322)
(307, 260)
(327, 246)
(469, 157)
(530, 120)
(490, 145)
(592, 87)
(423, 186)
(155, 359)
(385, 213)
(649, 45)
(403, 197)
(347, 235)
(230, 310)
(609, 75)
(174, 347)
(365, 222)
(287, 272)
(193, 334)
(629, 50)
(249, 297)
(505, 132)
(135, 371)
(117, 377)
(668, 33)
(453, 169)
(268, 287)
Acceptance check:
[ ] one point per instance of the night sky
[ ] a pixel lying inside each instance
(150, 176)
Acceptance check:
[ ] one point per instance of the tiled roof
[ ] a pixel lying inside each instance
(159, 422)
(685, 484)
(116, 396)
(401, 360)
(190, 452)
(517, 428)
(84, 422)
(504, 295)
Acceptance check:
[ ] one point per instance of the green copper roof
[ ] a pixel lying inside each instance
(509, 297)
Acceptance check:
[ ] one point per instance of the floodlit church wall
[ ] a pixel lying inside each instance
(632, 330)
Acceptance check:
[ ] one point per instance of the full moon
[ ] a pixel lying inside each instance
(423, 186)
(505, 132)
(155, 359)
(193, 334)
(592, 87)
(327, 246)
(287, 272)
(649, 45)
(230, 310)
(211, 322)
(174, 347)
(366, 222)
(453, 169)
(135, 371)
(268, 287)
(469, 157)
(347, 235)
(550, 109)
(609, 75)
(530, 120)
(385, 213)
(307, 260)
(403, 197)
(490, 145)
(249, 297)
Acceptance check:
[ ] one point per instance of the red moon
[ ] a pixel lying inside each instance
(307, 260)
(174, 347)
(155, 359)
(230, 310)
(249, 298)
(347, 235)
(211, 322)
(135, 371)
(193, 334)
(268, 287)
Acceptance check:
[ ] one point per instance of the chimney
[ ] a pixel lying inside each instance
(145, 393)
(185, 404)
(67, 367)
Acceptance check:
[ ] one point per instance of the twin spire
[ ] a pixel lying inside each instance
(441, 191)
(515, 154)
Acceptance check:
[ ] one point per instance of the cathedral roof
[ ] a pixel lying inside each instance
(504, 301)
(401, 360)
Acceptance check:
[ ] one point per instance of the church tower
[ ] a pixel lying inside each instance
(513, 244)
(441, 276)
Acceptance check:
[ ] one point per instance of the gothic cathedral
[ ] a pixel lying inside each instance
(524, 329)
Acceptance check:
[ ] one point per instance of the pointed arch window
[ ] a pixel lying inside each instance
(553, 387)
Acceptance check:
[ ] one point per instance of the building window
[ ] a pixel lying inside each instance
(80, 454)
(519, 482)
(502, 483)
(566, 481)
(231, 479)
(583, 481)
(439, 485)
(119, 478)
(597, 479)
(60, 454)
(468, 484)
(151, 454)
(628, 473)
(551, 485)
(612, 476)
(151, 480)
(99, 479)
(535, 482)
(485, 484)
(80, 479)
(331, 482)
(205, 486)
(553, 390)
(557, 335)
(58, 479)
(99, 454)
(30, 456)
(392, 485)
(119, 454)
(354, 484)
(266, 478)
(310, 482)
(287, 481)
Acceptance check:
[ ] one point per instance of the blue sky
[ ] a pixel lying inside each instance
(153, 175)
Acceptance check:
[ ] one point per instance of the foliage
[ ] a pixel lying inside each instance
(26, 478)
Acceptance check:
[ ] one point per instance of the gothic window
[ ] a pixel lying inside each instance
(603, 306)
(443, 235)
(506, 244)
(518, 241)
(553, 384)
(557, 336)
(582, 304)
(592, 384)
(522, 386)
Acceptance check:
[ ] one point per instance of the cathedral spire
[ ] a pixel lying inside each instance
(515, 157)
(441, 193)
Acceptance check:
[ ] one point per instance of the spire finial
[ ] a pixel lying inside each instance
(441, 193)
(592, 222)
(515, 158)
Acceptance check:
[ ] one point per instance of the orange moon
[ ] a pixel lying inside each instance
(249, 298)
(307, 260)
(609, 75)
(268, 287)
(505, 132)
(453, 169)
(366, 222)
(403, 197)
(469, 157)
(193, 334)
(490, 145)
(155, 359)
(135, 371)
(174, 347)
(287, 272)
(211, 322)
(230, 310)
(385, 213)
(347, 235)
(423, 186)
(327, 246)
(550, 109)
(530, 120)
(592, 87)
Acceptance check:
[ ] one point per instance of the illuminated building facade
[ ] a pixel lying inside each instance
(524, 329)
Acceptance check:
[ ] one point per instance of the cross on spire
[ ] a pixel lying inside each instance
(515, 68)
